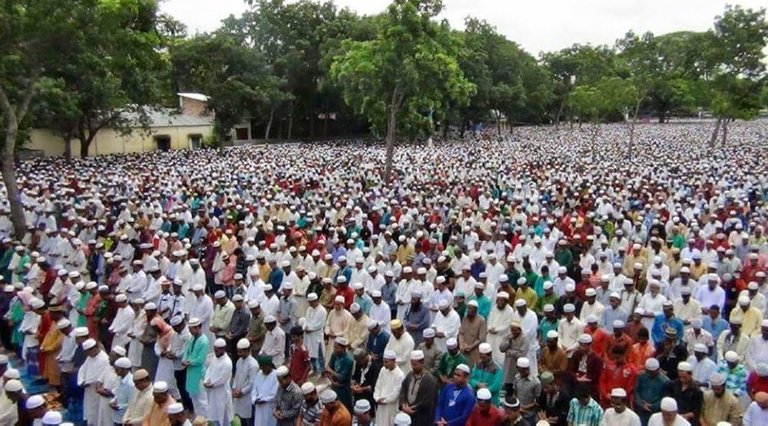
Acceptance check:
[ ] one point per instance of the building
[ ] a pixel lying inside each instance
(170, 128)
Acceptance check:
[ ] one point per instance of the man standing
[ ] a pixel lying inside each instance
(619, 413)
(314, 321)
(401, 343)
(719, 404)
(245, 372)
(264, 392)
(141, 400)
(288, 400)
(472, 333)
(339, 372)
(387, 389)
(456, 401)
(487, 374)
(89, 376)
(419, 392)
(274, 341)
(194, 361)
(217, 384)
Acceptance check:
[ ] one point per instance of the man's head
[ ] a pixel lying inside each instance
(461, 375)
(160, 392)
(668, 410)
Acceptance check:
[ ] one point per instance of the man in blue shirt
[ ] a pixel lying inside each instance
(665, 320)
(377, 341)
(456, 401)
(416, 317)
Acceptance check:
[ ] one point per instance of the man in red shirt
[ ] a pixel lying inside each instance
(758, 380)
(484, 413)
(299, 365)
(617, 374)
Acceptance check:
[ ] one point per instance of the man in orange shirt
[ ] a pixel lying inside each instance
(335, 413)
(642, 350)
(620, 338)
(599, 336)
(617, 374)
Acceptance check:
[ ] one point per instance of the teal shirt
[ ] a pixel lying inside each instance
(650, 390)
(195, 352)
(491, 376)
(483, 305)
(545, 326)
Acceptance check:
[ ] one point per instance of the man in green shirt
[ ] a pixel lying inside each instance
(483, 303)
(648, 390)
(449, 361)
(487, 374)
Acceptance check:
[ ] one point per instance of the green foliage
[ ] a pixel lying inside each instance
(406, 75)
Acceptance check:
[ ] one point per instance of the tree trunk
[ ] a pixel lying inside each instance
(632, 128)
(662, 117)
(725, 132)
(559, 112)
(269, 123)
(13, 116)
(463, 129)
(290, 121)
(498, 124)
(8, 169)
(713, 139)
(68, 148)
(325, 123)
(312, 125)
(391, 135)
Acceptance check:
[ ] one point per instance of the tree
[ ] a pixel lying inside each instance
(35, 36)
(736, 67)
(611, 95)
(406, 72)
(234, 76)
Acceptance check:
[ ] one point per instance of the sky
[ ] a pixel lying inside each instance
(537, 25)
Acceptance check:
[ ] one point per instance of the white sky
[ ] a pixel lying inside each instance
(537, 25)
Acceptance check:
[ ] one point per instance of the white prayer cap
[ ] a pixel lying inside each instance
(520, 303)
(463, 367)
(590, 292)
(362, 406)
(417, 355)
(120, 298)
(523, 362)
(176, 408)
(354, 308)
(63, 323)
(150, 306)
(220, 343)
(473, 303)
(585, 338)
(730, 356)
(548, 285)
(618, 393)
(569, 307)
(570, 287)
(668, 404)
(35, 401)
(338, 299)
(618, 324)
(219, 294)
(312, 297)
(3, 359)
(160, 387)
(484, 394)
(485, 348)
(502, 295)
(123, 363)
(700, 347)
(36, 303)
(428, 333)
(651, 364)
(307, 388)
(341, 341)
(237, 298)
(81, 332)
(118, 350)
(685, 366)
(443, 304)
(88, 344)
(13, 385)
(390, 355)
(552, 334)
(11, 373)
(592, 319)
(198, 287)
(328, 396)
(281, 371)
(194, 322)
(549, 308)
(452, 343)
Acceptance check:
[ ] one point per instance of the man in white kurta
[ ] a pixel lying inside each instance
(217, 385)
(499, 325)
(202, 309)
(387, 390)
(88, 376)
(401, 343)
(529, 322)
(245, 373)
(314, 321)
(446, 324)
(337, 324)
(123, 322)
(263, 394)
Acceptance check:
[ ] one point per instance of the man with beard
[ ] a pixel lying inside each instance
(419, 392)
(719, 404)
(364, 377)
(619, 413)
(486, 374)
(472, 332)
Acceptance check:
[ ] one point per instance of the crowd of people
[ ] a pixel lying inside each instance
(545, 278)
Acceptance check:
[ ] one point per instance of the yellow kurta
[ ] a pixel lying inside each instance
(157, 415)
(50, 348)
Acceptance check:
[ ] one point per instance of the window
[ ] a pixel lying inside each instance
(241, 133)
